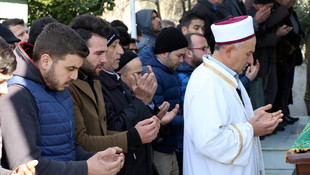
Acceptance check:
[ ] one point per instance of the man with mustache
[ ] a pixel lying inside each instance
(221, 130)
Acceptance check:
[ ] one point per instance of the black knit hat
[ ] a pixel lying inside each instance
(263, 1)
(168, 40)
(126, 58)
(113, 36)
(7, 34)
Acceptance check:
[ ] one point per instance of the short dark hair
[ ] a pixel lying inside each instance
(58, 40)
(125, 38)
(13, 22)
(188, 17)
(37, 27)
(118, 23)
(86, 25)
(7, 58)
(132, 40)
(189, 38)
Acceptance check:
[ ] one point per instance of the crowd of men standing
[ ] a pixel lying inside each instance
(85, 98)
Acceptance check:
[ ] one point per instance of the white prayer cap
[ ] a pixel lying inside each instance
(233, 30)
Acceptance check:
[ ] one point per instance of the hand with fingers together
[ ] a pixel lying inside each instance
(107, 162)
(283, 30)
(163, 109)
(252, 71)
(26, 169)
(145, 87)
(169, 116)
(148, 129)
(164, 116)
(262, 14)
(264, 122)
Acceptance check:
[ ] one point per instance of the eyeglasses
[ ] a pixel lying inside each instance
(205, 48)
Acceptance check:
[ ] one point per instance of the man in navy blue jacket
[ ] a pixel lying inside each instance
(168, 54)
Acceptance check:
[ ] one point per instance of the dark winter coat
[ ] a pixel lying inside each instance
(124, 111)
(167, 90)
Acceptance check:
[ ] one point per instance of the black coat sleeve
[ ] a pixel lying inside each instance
(124, 110)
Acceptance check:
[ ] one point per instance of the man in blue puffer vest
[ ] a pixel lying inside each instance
(168, 54)
(38, 114)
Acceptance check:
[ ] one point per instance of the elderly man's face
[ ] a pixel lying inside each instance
(132, 68)
(242, 58)
(114, 53)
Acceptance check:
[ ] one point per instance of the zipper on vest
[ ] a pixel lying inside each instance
(71, 128)
(134, 156)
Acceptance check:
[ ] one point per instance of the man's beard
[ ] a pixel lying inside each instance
(89, 69)
(50, 80)
(196, 61)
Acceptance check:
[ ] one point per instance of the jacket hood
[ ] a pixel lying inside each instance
(148, 57)
(25, 66)
(185, 67)
(144, 21)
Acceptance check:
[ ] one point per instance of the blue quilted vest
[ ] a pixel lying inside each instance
(55, 114)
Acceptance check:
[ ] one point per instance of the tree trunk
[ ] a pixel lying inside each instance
(158, 8)
(189, 4)
(183, 5)
(307, 61)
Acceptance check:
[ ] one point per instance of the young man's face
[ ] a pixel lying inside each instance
(20, 31)
(132, 68)
(174, 58)
(93, 64)
(156, 23)
(114, 53)
(58, 75)
(3, 83)
(196, 26)
(133, 47)
(199, 48)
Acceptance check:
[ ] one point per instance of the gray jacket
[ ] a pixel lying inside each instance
(144, 23)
